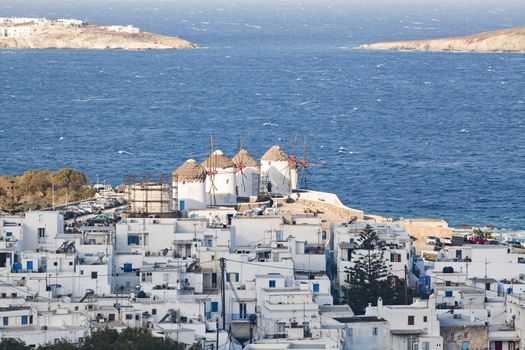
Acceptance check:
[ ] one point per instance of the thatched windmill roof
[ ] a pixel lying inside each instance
(218, 160)
(190, 171)
(274, 154)
(244, 158)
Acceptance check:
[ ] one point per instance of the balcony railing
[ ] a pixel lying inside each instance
(241, 317)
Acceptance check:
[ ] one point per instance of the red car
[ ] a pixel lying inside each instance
(477, 240)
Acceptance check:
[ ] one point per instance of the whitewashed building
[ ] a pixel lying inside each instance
(247, 174)
(220, 180)
(189, 186)
(278, 172)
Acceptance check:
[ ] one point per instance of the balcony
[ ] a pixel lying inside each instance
(241, 317)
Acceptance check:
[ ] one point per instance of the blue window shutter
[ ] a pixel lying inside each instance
(214, 306)
(236, 277)
(316, 287)
(24, 319)
(271, 283)
(448, 293)
(227, 277)
(129, 240)
(6, 321)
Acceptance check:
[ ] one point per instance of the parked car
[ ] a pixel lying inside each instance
(431, 240)
(516, 247)
(446, 240)
(478, 240)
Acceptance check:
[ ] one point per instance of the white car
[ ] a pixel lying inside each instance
(446, 240)
(431, 240)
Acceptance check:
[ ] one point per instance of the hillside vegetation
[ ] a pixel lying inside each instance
(35, 189)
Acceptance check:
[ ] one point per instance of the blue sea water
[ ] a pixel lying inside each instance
(399, 134)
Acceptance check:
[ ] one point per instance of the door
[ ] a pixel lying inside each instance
(498, 345)
(30, 265)
(182, 204)
(214, 280)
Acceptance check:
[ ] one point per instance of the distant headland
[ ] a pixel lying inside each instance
(506, 40)
(43, 33)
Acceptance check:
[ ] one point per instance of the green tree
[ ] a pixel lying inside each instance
(13, 344)
(370, 276)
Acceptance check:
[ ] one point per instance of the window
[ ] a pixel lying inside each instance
(55, 263)
(315, 288)
(271, 283)
(6, 321)
(465, 345)
(94, 275)
(410, 320)
(487, 286)
(41, 232)
(25, 320)
(424, 318)
(214, 306)
(242, 310)
(374, 331)
(448, 294)
(81, 272)
(350, 332)
(512, 345)
(129, 316)
(153, 311)
(447, 283)
(111, 317)
(133, 240)
(232, 277)
(9, 234)
(70, 263)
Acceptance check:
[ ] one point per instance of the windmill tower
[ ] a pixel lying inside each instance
(189, 186)
(280, 170)
(220, 179)
(247, 174)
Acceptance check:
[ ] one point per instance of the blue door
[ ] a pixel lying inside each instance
(214, 306)
(182, 204)
(316, 287)
(30, 265)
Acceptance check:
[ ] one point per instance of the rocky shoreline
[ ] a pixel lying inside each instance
(506, 40)
(91, 37)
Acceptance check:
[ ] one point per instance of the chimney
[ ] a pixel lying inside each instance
(379, 308)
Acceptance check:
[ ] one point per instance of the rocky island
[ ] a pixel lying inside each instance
(506, 40)
(42, 33)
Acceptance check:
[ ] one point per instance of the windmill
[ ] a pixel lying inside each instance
(243, 161)
(302, 166)
(211, 172)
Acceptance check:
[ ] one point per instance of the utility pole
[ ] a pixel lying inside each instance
(217, 339)
(485, 282)
(406, 285)
(223, 295)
